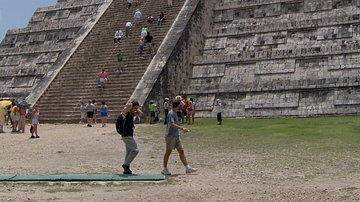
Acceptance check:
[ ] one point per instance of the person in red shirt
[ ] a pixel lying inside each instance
(187, 104)
(103, 78)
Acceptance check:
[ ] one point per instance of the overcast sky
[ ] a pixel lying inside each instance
(17, 13)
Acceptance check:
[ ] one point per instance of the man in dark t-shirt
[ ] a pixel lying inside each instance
(130, 110)
(148, 40)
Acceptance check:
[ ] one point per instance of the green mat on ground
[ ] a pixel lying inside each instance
(83, 177)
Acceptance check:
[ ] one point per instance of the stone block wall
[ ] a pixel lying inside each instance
(171, 69)
(31, 57)
(267, 58)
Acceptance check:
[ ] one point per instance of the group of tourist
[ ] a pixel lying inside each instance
(90, 111)
(17, 115)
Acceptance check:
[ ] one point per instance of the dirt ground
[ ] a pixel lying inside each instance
(222, 175)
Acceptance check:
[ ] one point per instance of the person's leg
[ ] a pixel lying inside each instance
(132, 149)
(182, 156)
(166, 158)
(35, 130)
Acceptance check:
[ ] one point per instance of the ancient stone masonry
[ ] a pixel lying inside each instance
(30, 57)
(267, 58)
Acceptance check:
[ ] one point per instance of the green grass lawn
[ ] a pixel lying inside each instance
(312, 145)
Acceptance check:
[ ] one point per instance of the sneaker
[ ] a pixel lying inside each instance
(191, 170)
(127, 170)
(88, 125)
(165, 171)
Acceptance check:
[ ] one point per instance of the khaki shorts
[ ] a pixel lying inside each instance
(173, 142)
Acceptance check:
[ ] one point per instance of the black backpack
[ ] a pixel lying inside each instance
(120, 124)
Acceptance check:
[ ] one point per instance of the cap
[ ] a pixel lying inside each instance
(166, 98)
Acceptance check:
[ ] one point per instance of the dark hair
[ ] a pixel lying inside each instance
(103, 102)
(191, 99)
(93, 101)
(135, 103)
(151, 102)
(176, 103)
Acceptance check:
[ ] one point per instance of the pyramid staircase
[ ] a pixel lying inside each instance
(77, 81)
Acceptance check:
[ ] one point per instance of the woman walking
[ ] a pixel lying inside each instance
(103, 113)
(35, 122)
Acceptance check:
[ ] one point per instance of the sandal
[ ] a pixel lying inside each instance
(37, 136)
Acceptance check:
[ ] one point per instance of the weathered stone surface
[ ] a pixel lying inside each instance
(286, 58)
(42, 48)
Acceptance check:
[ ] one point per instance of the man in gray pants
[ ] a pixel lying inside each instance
(130, 110)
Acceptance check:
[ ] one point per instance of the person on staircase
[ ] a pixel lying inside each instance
(118, 35)
(137, 16)
(128, 26)
(161, 18)
(103, 78)
(129, 3)
(148, 40)
(120, 62)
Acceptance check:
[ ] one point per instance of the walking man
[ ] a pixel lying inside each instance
(130, 110)
(173, 140)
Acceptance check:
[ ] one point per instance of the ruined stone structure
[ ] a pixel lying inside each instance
(31, 57)
(281, 58)
(262, 58)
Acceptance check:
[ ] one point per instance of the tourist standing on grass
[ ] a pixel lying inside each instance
(166, 109)
(219, 111)
(90, 113)
(152, 109)
(191, 111)
(173, 140)
(35, 122)
(103, 113)
(130, 110)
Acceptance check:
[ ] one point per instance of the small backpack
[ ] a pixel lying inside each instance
(120, 124)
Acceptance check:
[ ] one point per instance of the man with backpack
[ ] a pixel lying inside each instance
(125, 127)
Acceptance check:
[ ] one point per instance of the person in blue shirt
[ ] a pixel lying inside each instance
(173, 140)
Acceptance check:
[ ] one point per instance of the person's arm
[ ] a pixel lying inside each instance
(172, 124)
(126, 109)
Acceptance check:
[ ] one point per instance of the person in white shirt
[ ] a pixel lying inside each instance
(128, 26)
(118, 35)
(137, 17)
(129, 3)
